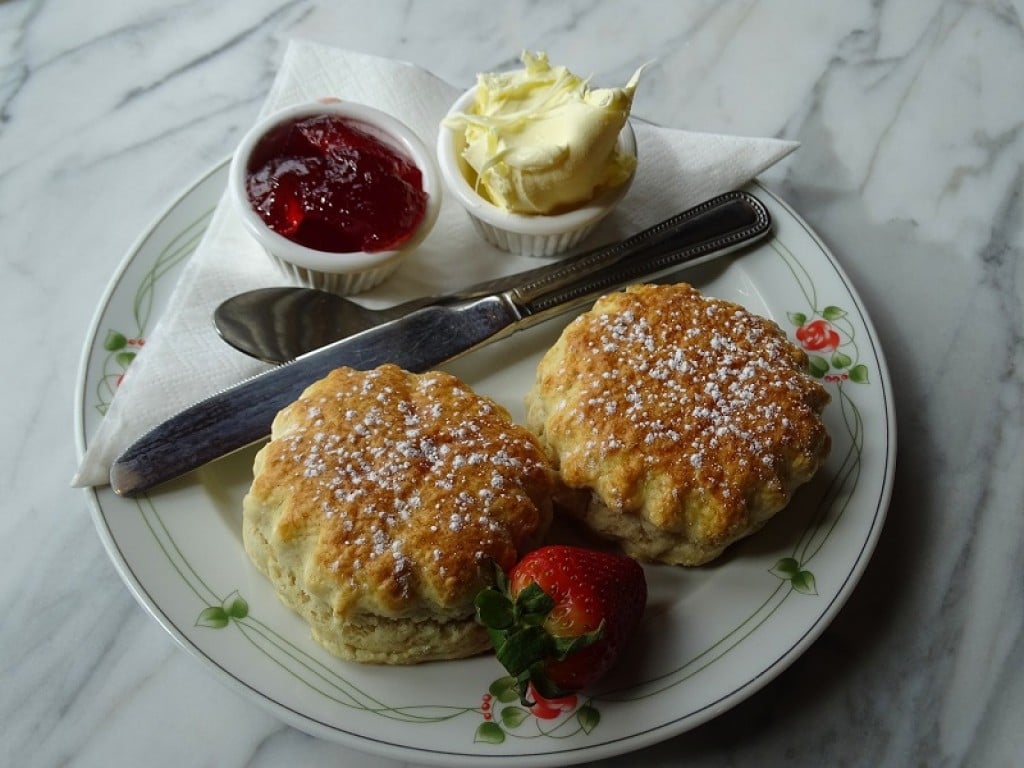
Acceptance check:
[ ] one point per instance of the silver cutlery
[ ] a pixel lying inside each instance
(434, 334)
(282, 323)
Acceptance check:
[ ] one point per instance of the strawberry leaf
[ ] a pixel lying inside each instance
(494, 610)
(543, 684)
(500, 578)
(497, 637)
(566, 646)
(533, 604)
(831, 313)
(522, 648)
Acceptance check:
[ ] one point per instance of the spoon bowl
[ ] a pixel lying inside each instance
(279, 324)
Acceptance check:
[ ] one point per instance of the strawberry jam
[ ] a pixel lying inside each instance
(329, 184)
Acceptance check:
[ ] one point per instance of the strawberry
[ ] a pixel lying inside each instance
(561, 617)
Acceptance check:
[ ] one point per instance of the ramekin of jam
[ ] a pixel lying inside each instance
(337, 193)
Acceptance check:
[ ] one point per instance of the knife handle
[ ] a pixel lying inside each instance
(722, 224)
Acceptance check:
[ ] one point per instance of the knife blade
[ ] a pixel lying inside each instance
(242, 414)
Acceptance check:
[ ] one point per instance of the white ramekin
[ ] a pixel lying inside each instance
(341, 273)
(526, 234)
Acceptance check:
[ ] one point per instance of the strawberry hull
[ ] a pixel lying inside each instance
(563, 616)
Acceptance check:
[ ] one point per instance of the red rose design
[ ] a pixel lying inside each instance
(548, 709)
(818, 336)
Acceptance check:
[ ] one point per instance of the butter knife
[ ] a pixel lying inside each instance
(242, 414)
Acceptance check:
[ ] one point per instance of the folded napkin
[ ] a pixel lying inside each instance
(184, 360)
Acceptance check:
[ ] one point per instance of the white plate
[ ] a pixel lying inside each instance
(711, 636)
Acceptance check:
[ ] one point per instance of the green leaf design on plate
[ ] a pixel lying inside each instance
(490, 733)
(124, 359)
(803, 582)
(513, 717)
(786, 568)
(797, 318)
(238, 609)
(817, 366)
(115, 341)
(588, 717)
(504, 689)
(213, 617)
(859, 374)
(832, 313)
(840, 360)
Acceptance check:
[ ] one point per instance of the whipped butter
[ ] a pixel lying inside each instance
(540, 141)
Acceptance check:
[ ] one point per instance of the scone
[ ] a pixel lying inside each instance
(687, 421)
(376, 503)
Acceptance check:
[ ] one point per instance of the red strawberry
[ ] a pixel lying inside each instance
(561, 617)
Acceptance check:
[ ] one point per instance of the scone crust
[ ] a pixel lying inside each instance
(377, 501)
(690, 419)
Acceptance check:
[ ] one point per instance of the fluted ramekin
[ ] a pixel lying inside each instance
(525, 234)
(343, 273)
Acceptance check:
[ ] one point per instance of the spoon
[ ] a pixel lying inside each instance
(279, 324)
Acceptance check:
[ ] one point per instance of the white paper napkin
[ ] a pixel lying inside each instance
(184, 360)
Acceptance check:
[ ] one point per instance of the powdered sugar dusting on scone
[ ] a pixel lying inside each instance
(406, 485)
(686, 410)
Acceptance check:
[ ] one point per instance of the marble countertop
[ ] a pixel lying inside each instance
(911, 169)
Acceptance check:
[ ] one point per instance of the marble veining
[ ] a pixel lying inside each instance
(911, 169)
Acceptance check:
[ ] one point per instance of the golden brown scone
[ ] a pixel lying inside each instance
(378, 499)
(690, 420)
